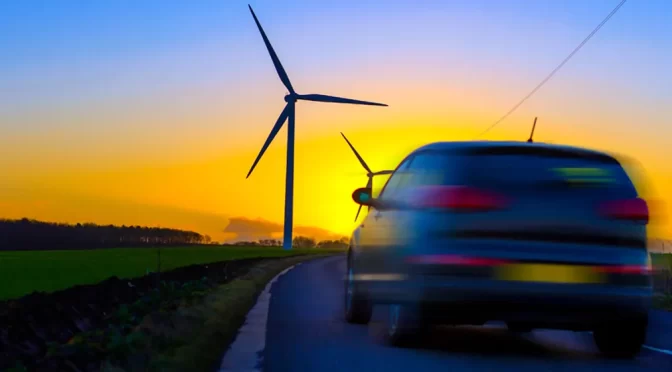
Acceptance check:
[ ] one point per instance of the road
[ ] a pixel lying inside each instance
(306, 332)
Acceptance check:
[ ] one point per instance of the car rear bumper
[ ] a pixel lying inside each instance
(548, 305)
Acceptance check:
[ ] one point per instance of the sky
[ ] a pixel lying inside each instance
(151, 113)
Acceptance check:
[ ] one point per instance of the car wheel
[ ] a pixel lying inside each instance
(621, 341)
(358, 308)
(402, 324)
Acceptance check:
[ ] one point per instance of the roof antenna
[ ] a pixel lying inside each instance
(532, 134)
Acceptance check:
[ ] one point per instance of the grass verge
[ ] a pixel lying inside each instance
(195, 337)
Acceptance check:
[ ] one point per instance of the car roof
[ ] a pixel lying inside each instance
(465, 145)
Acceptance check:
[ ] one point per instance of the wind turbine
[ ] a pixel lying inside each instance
(369, 173)
(288, 114)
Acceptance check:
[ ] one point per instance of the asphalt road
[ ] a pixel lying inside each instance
(306, 332)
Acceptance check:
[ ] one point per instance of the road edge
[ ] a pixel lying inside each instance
(245, 352)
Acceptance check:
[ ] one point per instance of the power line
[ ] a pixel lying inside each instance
(556, 69)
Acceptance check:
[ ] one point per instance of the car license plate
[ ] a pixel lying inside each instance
(549, 273)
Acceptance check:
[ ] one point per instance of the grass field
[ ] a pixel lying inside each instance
(24, 272)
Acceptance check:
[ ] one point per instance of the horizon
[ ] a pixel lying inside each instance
(252, 230)
(153, 115)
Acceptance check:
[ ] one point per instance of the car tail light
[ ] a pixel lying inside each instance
(461, 198)
(625, 269)
(630, 209)
(445, 259)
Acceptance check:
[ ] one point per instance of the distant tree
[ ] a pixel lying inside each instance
(246, 243)
(303, 242)
(334, 244)
(269, 242)
(28, 234)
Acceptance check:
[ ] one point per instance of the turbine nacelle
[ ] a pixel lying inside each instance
(291, 98)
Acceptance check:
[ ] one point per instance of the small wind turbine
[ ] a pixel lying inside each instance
(532, 133)
(288, 113)
(369, 173)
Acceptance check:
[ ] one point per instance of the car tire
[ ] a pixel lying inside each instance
(357, 307)
(621, 341)
(402, 324)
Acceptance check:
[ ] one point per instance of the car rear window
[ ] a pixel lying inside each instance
(510, 168)
(520, 168)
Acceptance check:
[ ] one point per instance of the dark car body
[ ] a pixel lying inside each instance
(536, 235)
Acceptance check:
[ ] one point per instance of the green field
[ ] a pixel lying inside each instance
(24, 272)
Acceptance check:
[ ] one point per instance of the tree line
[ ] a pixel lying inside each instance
(27, 234)
(297, 242)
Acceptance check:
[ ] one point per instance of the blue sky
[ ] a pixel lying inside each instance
(116, 57)
(54, 41)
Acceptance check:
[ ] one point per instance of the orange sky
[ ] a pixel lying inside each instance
(163, 133)
(200, 192)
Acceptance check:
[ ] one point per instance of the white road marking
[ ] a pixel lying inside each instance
(668, 352)
(244, 352)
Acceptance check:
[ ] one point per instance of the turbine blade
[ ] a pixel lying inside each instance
(274, 132)
(332, 99)
(358, 210)
(361, 161)
(382, 173)
(276, 61)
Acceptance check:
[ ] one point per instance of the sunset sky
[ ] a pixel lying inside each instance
(152, 113)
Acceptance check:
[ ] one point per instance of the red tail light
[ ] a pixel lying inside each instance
(625, 269)
(630, 209)
(446, 259)
(461, 198)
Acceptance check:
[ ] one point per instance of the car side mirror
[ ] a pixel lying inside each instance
(364, 196)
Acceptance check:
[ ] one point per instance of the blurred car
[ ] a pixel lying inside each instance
(531, 234)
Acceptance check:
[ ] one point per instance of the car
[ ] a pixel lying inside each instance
(530, 234)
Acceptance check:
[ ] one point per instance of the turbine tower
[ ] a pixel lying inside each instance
(287, 114)
(369, 173)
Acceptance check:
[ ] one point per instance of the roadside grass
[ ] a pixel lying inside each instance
(22, 272)
(194, 337)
